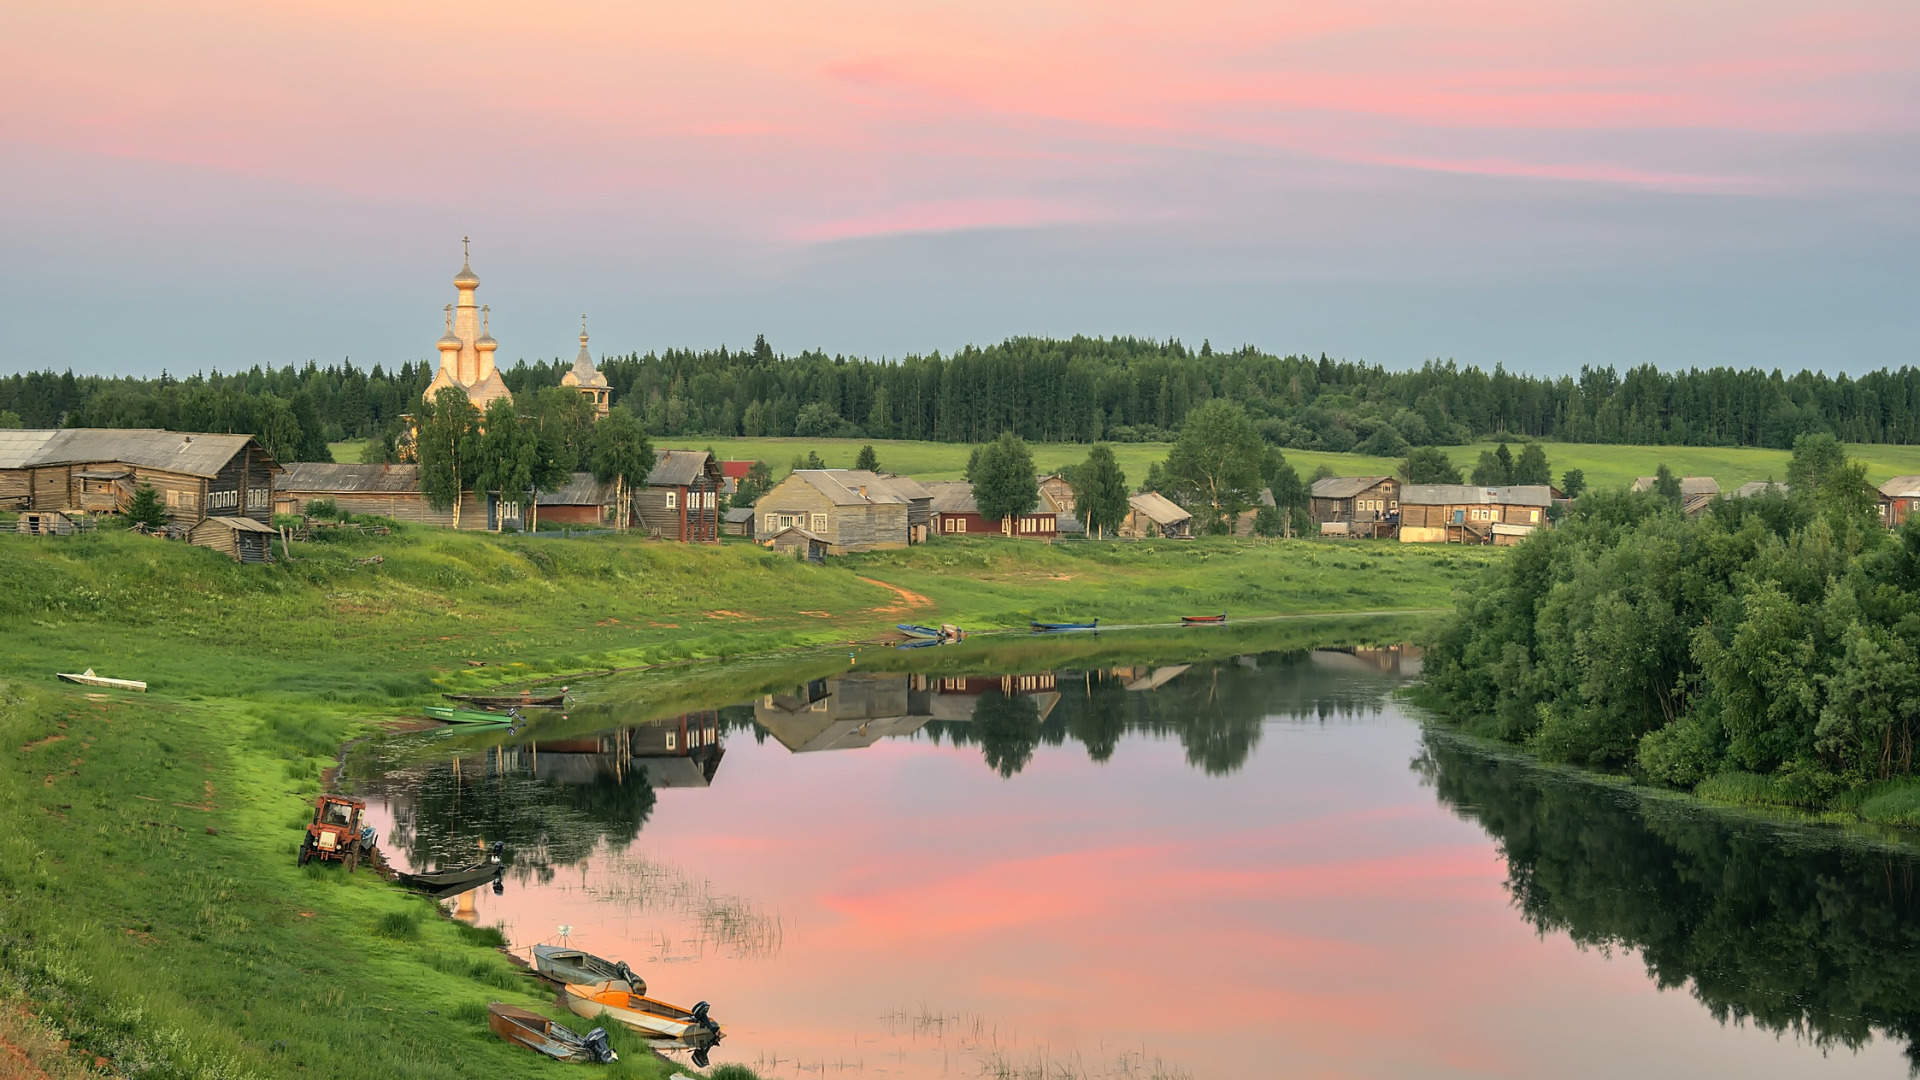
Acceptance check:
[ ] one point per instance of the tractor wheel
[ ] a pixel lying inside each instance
(353, 859)
(306, 853)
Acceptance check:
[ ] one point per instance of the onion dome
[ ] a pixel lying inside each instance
(466, 278)
(447, 342)
(486, 343)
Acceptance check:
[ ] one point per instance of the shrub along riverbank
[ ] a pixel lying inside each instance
(1768, 653)
(151, 914)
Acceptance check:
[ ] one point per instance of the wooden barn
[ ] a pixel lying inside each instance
(97, 470)
(1355, 505)
(49, 523)
(1466, 514)
(799, 543)
(955, 513)
(1899, 498)
(581, 501)
(851, 509)
(738, 521)
(385, 490)
(240, 538)
(1153, 516)
(681, 501)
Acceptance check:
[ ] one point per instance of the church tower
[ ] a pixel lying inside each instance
(466, 349)
(586, 378)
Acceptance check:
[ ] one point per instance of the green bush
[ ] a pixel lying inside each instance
(398, 925)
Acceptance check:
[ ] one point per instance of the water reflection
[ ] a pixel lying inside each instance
(954, 870)
(1793, 930)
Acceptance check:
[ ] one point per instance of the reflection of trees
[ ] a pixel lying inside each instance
(446, 811)
(1008, 729)
(1792, 931)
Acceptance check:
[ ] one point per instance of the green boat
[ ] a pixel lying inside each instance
(467, 716)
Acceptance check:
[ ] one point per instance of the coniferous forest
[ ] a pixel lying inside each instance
(1076, 390)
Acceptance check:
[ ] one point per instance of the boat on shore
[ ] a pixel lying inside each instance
(1049, 627)
(451, 715)
(916, 631)
(648, 1016)
(441, 884)
(564, 965)
(507, 701)
(1203, 620)
(88, 678)
(524, 1027)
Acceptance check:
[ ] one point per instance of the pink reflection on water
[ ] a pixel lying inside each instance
(903, 911)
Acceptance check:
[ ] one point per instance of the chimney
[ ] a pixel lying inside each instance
(863, 491)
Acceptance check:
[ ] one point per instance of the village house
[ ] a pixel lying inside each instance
(582, 500)
(1243, 522)
(800, 543)
(97, 470)
(681, 501)
(1355, 505)
(955, 513)
(1466, 514)
(391, 491)
(738, 521)
(1697, 493)
(1755, 488)
(850, 509)
(240, 538)
(1153, 516)
(1899, 497)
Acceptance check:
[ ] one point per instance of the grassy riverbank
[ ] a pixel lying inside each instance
(152, 920)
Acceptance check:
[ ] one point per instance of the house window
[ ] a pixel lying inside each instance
(671, 736)
(959, 524)
(673, 500)
(257, 498)
(819, 523)
(1533, 516)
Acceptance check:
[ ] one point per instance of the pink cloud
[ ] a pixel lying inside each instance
(943, 215)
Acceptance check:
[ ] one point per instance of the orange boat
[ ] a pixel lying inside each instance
(648, 1016)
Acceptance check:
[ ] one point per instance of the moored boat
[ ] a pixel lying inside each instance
(441, 884)
(564, 965)
(1191, 620)
(506, 701)
(648, 1016)
(524, 1027)
(88, 678)
(1049, 626)
(467, 716)
(917, 631)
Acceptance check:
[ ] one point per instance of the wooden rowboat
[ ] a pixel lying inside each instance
(1191, 620)
(648, 1016)
(524, 1027)
(467, 716)
(88, 678)
(917, 631)
(564, 965)
(1051, 626)
(504, 701)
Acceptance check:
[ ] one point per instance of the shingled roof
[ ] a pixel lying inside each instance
(1344, 487)
(348, 478)
(843, 486)
(1469, 494)
(191, 453)
(1158, 508)
(581, 490)
(677, 468)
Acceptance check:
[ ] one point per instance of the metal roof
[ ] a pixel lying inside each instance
(1468, 494)
(1760, 487)
(192, 453)
(843, 487)
(1900, 487)
(325, 477)
(1158, 508)
(1343, 487)
(678, 468)
(953, 497)
(738, 515)
(582, 490)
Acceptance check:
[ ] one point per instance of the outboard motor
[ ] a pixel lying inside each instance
(700, 1017)
(499, 851)
(596, 1042)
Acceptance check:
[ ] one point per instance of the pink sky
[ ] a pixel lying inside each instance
(699, 173)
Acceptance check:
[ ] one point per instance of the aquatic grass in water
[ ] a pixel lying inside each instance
(721, 923)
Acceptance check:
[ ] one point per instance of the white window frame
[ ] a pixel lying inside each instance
(673, 500)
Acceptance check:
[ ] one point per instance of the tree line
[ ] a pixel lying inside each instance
(1770, 648)
(1079, 389)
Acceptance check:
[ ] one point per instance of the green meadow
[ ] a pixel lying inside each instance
(152, 920)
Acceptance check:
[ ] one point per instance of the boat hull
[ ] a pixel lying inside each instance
(564, 965)
(648, 1016)
(452, 715)
(1203, 620)
(1048, 627)
(88, 678)
(524, 1027)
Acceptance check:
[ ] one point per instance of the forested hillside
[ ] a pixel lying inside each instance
(1077, 390)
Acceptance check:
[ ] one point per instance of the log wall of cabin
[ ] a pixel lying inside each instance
(16, 489)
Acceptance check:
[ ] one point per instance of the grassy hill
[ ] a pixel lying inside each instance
(151, 914)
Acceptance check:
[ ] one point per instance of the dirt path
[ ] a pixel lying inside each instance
(909, 600)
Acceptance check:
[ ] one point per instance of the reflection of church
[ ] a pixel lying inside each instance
(858, 709)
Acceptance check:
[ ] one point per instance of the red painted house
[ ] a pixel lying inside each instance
(956, 514)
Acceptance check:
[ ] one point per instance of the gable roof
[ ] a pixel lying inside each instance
(1900, 487)
(736, 470)
(192, 453)
(239, 524)
(809, 534)
(1158, 508)
(678, 468)
(1760, 487)
(1344, 487)
(953, 497)
(581, 490)
(1467, 494)
(738, 515)
(348, 478)
(842, 486)
(1689, 485)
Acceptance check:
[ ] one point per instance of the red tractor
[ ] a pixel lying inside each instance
(336, 832)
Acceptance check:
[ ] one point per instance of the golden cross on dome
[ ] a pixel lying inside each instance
(449, 318)
(484, 309)
(464, 241)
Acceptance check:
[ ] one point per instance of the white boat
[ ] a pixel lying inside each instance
(648, 1016)
(88, 678)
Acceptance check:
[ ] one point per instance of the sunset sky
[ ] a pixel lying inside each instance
(1540, 183)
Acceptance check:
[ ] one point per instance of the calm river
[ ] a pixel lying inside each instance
(1091, 863)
